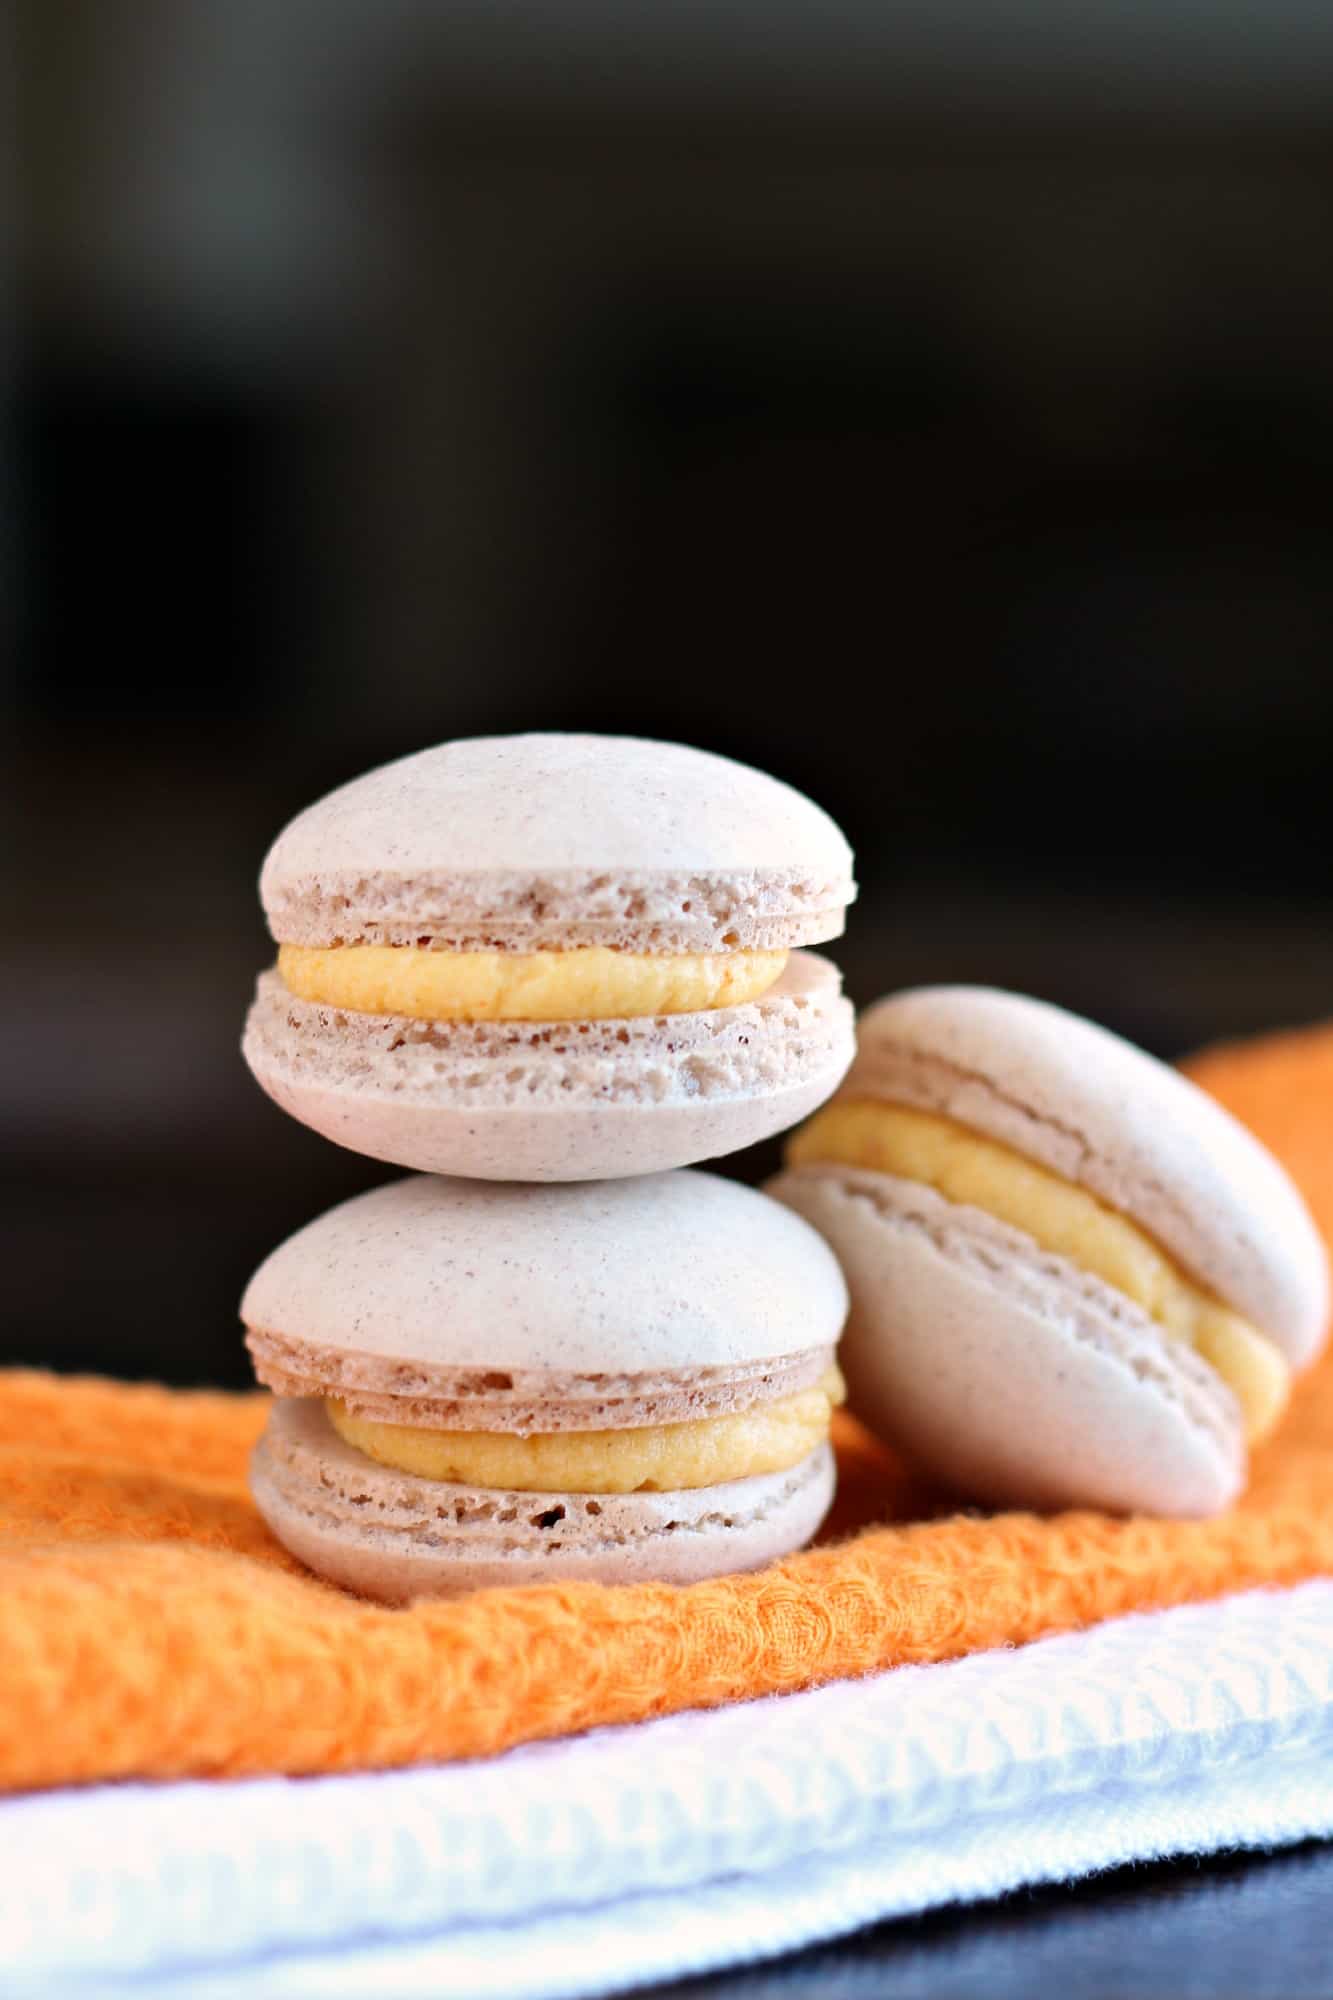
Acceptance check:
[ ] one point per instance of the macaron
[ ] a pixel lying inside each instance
(480, 1383)
(553, 957)
(1075, 1279)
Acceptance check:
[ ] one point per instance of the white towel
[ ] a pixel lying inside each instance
(700, 1841)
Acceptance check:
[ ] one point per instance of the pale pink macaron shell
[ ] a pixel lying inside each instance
(548, 840)
(669, 1272)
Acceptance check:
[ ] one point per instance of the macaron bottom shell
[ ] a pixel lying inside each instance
(1008, 1372)
(392, 1536)
(559, 1101)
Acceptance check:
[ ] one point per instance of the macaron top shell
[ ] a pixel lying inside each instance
(1106, 1116)
(546, 841)
(668, 1271)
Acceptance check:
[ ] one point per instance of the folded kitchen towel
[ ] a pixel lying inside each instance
(696, 1841)
(153, 1628)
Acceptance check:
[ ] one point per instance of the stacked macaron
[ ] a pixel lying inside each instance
(553, 958)
(483, 1383)
(555, 969)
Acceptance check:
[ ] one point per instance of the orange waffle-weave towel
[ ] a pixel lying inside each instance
(151, 1627)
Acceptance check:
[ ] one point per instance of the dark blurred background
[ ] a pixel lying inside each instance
(930, 404)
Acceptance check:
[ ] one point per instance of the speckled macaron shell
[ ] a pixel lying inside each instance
(551, 841)
(393, 1537)
(562, 1101)
(588, 1305)
(682, 1275)
(1012, 1375)
(1138, 1135)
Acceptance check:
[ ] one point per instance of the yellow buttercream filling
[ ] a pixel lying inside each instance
(588, 984)
(659, 1458)
(1063, 1219)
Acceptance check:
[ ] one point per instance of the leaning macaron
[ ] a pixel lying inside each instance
(487, 1384)
(553, 957)
(1075, 1279)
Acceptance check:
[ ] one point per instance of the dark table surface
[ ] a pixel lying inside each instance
(1255, 1926)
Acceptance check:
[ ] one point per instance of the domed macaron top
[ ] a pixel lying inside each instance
(1141, 1137)
(552, 841)
(670, 1271)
